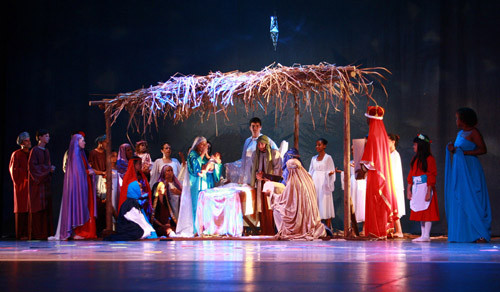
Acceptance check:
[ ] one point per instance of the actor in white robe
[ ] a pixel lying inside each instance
(358, 193)
(166, 159)
(323, 175)
(397, 177)
(159, 164)
(358, 184)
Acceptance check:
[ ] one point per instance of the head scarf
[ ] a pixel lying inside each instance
(264, 139)
(162, 177)
(122, 161)
(23, 136)
(297, 206)
(131, 176)
(197, 141)
(377, 158)
(74, 205)
(294, 164)
(134, 190)
(268, 156)
(290, 154)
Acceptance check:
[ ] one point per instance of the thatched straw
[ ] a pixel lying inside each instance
(320, 86)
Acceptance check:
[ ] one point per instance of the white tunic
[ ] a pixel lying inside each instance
(399, 187)
(324, 184)
(358, 195)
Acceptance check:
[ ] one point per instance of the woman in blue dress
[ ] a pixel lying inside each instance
(467, 202)
(204, 171)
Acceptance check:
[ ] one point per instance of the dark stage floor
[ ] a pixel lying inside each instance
(249, 265)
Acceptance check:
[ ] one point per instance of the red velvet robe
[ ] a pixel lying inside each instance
(40, 200)
(131, 176)
(88, 230)
(97, 160)
(381, 204)
(18, 168)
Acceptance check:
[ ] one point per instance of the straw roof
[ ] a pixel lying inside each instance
(318, 87)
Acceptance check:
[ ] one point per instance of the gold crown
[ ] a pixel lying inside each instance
(376, 112)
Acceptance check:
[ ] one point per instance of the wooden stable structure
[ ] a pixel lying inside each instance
(318, 87)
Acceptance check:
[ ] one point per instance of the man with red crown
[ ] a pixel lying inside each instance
(381, 205)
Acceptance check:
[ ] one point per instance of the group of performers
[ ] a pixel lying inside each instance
(160, 198)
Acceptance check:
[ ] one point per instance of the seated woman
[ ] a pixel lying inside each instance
(135, 173)
(166, 159)
(132, 223)
(295, 208)
(166, 199)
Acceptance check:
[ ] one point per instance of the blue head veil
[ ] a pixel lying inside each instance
(292, 153)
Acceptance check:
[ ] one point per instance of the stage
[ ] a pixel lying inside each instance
(250, 264)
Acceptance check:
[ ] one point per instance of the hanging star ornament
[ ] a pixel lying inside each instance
(274, 31)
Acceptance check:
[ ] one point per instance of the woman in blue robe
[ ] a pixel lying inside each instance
(467, 202)
(290, 154)
(203, 172)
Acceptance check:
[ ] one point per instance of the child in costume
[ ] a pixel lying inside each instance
(322, 171)
(141, 150)
(422, 187)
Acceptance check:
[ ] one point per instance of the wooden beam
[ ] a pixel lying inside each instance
(296, 123)
(347, 169)
(105, 105)
(109, 172)
(99, 102)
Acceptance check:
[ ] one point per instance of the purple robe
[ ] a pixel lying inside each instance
(75, 200)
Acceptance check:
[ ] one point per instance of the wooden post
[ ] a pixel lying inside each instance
(109, 173)
(347, 169)
(296, 123)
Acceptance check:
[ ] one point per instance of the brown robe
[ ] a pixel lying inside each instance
(40, 200)
(262, 202)
(97, 161)
(18, 168)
